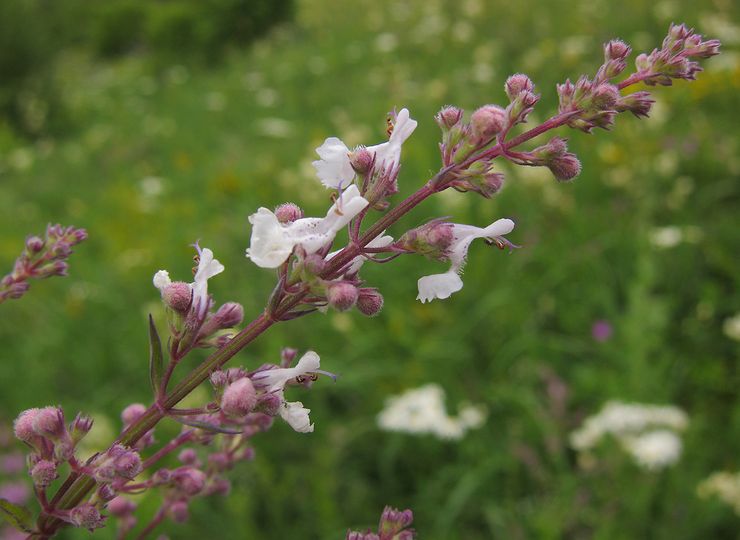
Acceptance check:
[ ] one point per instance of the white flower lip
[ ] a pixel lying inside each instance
(207, 268)
(334, 168)
(442, 286)
(272, 242)
(275, 379)
(388, 154)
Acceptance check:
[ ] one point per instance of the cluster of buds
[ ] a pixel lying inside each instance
(41, 258)
(554, 155)
(394, 525)
(192, 321)
(675, 59)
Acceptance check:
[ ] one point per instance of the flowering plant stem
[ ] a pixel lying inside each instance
(77, 486)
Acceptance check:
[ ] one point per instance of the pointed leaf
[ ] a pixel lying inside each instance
(207, 426)
(156, 360)
(18, 516)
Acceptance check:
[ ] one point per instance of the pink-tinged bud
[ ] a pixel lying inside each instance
(220, 486)
(34, 244)
(87, 517)
(44, 473)
(229, 315)
(178, 295)
(369, 302)
(288, 213)
(189, 480)
(260, 420)
(487, 122)
(287, 355)
(448, 117)
(178, 511)
(517, 84)
(121, 507)
(162, 476)
(314, 264)
(431, 239)
(341, 295)
(239, 398)
(128, 465)
(269, 403)
(638, 103)
(218, 379)
(219, 461)
(132, 413)
(605, 96)
(234, 374)
(23, 425)
(188, 457)
(362, 160)
(565, 167)
(58, 268)
(616, 49)
(80, 427)
(64, 449)
(106, 493)
(49, 422)
(392, 521)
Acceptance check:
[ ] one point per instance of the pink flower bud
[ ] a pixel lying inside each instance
(219, 379)
(34, 244)
(188, 456)
(49, 422)
(487, 122)
(128, 464)
(86, 516)
(23, 425)
(341, 295)
(448, 117)
(362, 160)
(178, 295)
(162, 476)
(239, 398)
(288, 212)
(121, 506)
(105, 492)
(431, 239)
(191, 481)
(605, 96)
(369, 302)
(517, 84)
(314, 264)
(80, 427)
(178, 511)
(44, 473)
(616, 50)
(229, 315)
(269, 403)
(638, 103)
(287, 355)
(220, 486)
(565, 167)
(132, 413)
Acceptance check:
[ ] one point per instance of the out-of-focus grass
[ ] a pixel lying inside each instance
(153, 162)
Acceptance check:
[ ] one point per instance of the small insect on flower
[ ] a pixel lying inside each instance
(196, 260)
(389, 125)
(313, 377)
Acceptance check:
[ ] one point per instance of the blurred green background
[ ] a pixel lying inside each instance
(156, 124)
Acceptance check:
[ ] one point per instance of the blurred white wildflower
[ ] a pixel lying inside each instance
(655, 449)
(277, 128)
(422, 410)
(634, 426)
(671, 236)
(731, 327)
(724, 485)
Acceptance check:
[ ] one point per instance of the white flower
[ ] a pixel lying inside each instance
(443, 285)
(275, 379)
(422, 410)
(272, 242)
(388, 154)
(654, 449)
(731, 327)
(207, 268)
(334, 169)
(723, 484)
(297, 416)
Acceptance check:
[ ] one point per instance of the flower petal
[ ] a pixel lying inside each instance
(334, 168)
(438, 286)
(297, 416)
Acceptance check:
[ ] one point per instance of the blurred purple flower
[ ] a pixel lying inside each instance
(601, 330)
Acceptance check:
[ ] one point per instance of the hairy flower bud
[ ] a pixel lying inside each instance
(86, 516)
(132, 413)
(23, 425)
(239, 398)
(565, 167)
(288, 213)
(80, 427)
(178, 511)
(229, 315)
(616, 49)
(269, 403)
(638, 103)
(516, 84)
(362, 160)
(128, 464)
(341, 295)
(487, 122)
(178, 295)
(44, 473)
(431, 239)
(287, 355)
(219, 379)
(392, 521)
(369, 302)
(189, 480)
(121, 506)
(448, 117)
(34, 244)
(49, 422)
(188, 456)
(105, 492)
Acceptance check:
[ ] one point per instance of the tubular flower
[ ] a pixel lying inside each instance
(443, 285)
(272, 242)
(388, 154)
(275, 379)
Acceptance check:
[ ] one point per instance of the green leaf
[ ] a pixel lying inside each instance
(18, 516)
(156, 360)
